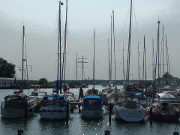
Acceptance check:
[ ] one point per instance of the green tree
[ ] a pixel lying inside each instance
(6, 69)
(43, 81)
(167, 76)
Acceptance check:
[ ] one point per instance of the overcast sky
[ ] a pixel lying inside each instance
(40, 18)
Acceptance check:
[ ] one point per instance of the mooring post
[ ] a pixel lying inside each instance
(110, 112)
(25, 111)
(107, 132)
(67, 112)
(176, 132)
(151, 116)
(79, 108)
(20, 132)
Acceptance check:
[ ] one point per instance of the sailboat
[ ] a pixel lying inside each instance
(93, 91)
(92, 102)
(55, 106)
(128, 109)
(110, 93)
(18, 105)
(164, 106)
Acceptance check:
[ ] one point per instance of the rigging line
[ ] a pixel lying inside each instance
(143, 62)
(25, 53)
(127, 15)
(129, 47)
(59, 46)
(161, 53)
(94, 61)
(111, 52)
(123, 63)
(65, 41)
(138, 63)
(22, 72)
(136, 23)
(153, 60)
(158, 54)
(114, 48)
(109, 61)
(167, 57)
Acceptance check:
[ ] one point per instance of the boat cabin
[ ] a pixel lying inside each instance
(14, 101)
(92, 101)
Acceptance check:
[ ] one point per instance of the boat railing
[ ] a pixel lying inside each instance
(15, 105)
(2, 105)
(50, 105)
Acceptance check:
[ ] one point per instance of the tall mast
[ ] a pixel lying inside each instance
(153, 61)
(109, 62)
(123, 63)
(163, 48)
(94, 61)
(59, 48)
(76, 65)
(129, 47)
(111, 53)
(65, 44)
(114, 47)
(167, 55)
(158, 54)
(23, 59)
(138, 62)
(145, 78)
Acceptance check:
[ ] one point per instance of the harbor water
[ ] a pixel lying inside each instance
(79, 126)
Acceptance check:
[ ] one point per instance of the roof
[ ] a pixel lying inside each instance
(92, 96)
(165, 96)
(55, 96)
(16, 95)
(6, 79)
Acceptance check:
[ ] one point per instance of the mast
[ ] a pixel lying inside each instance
(129, 47)
(114, 47)
(65, 45)
(138, 63)
(111, 53)
(23, 59)
(153, 63)
(76, 65)
(109, 62)
(123, 63)
(145, 63)
(163, 48)
(94, 62)
(58, 85)
(158, 54)
(167, 55)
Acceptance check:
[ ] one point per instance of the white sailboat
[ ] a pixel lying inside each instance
(129, 110)
(55, 106)
(110, 93)
(18, 105)
(92, 102)
(164, 108)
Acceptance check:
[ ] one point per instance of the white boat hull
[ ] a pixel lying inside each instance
(53, 115)
(14, 113)
(51, 112)
(130, 115)
(91, 113)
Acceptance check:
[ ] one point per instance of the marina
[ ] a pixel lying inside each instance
(97, 76)
(80, 126)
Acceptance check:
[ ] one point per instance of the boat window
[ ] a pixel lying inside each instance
(165, 106)
(92, 103)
